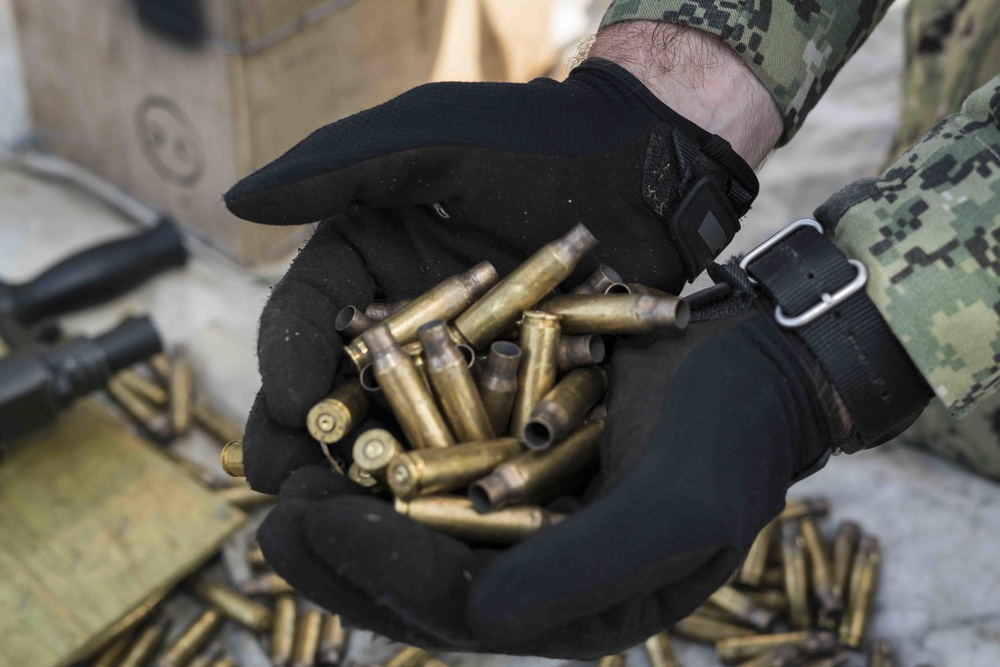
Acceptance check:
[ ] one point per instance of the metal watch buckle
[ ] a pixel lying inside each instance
(827, 301)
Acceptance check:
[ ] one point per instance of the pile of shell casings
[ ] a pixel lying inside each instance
(493, 385)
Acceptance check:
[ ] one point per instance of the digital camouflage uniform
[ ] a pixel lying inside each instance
(929, 229)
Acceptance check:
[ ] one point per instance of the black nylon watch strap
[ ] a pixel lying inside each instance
(881, 388)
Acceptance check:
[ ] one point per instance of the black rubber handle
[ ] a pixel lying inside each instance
(96, 275)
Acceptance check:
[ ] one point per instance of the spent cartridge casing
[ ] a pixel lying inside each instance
(708, 630)
(180, 652)
(645, 290)
(145, 644)
(434, 662)
(535, 476)
(773, 577)
(410, 656)
(564, 407)
(374, 450)
(486, 319)
(786, 656)
(617, 660)
(429, 471)
(141, 386)
(576, 351)
(453, 384)
(830, 608)
(845, 546)
(617, 313)
(796, 508)
(774, 600)
(443, 302)
(160, 363)
(864, 579)
(660, 651)
(225, 661)
(537, 373)
(708, 610)
(755, 563)
(152, 422)
(738, 649)
(409, 398)
(210, 419)
(207, 657)
(457, 517)
(881, 654)
(416, 352)
(364, 479)
(283, 630)
(498, 383)
(332, 641)
(111, 654)
(332, 418)
(231, 459)
(269, 583)
(380, 310)
(793, 553)
(255, 556)
(233, 605)
(307, 638)
(181, 386)
(352, 321)
(598, 281)
(617, 288)
(743, 607)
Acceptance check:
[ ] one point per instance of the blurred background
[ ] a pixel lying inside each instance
(149, 115)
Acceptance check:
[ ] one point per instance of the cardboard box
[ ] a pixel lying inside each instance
(177, 125)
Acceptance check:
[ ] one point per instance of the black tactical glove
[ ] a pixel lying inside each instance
(446, 175)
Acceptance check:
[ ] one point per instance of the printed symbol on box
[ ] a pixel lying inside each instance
(169, 141)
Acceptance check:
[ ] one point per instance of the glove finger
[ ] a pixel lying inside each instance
(271, 451)
(298, 347)
(317, 483)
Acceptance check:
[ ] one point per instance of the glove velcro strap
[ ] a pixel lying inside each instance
(806, 273)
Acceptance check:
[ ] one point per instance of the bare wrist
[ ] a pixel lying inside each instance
(700, 77)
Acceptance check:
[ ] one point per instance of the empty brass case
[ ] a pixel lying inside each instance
(224, 661)
(141, 386)
(881, 654)
(617, 660)
(660, 651)
(738, 649)
(332, 640)
(537, 373)
(575, 351)
(269, 583)
(283, 630)
(191, 640)
(145, 644)
(708, 610)
(112, 653)
(535, 476)
(332, 418)
(708, 631)
(181, 385)
(145, 416)
(483, 322)
(773, 577)
(864, 580)
(233, 605)
(307, 639)
(443, 302)
(770, 599)
(364, 479)
(598, 281)
(457, 517)
(755, 563)
(617, 313)
(793, 552)
(830, 607)
(743, 607)
(498, 383)
(845, 545)
(231, 459)
(374, 450)
(380, 310)
(242, 496)
(352, 321)
(430, 471)
(779, 657)
(617, 288)
(453, 384)
(411, 656)
(408, 397)
(646, 290)
(207, 657)
(255, 557)
(564, 407)
(796, 508)
(215, 423)
(434, 662)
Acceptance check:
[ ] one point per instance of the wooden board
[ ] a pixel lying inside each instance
(92, 522)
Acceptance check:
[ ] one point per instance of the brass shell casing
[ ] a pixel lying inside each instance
(535, 476)
(430, 471)
(785, 656)
(564, 407)
(793, 551)
(660, 651)
(576, 351)
(617, 660)
(210, 419)
(453, 384)
(307, 639)
(231, 459)
(528, 284)
(150, 420)
(351, 322)
(207, 657)
(498, 383)
(224, 661)
(773, 577)
(374, 450)
(739, 649)
(537, 373)
(598, 281)
(796, 508)
(774, 600)
(457, 517)
(845, 546)
(411, 656)
(831, 609)
(255, 556)
(378, 311)
(145, 644)
(864, 580)
(443, 302)
(332, 418)
(191, 640)
(332, 640)
(617, 313)
(743, 607)
(233, 605)
(755, 563)
(364, 479)
(408, 397)
(112, 653)
(709, 631)
(269, 583)
(181, 385)
(644, 290)
(141, 386)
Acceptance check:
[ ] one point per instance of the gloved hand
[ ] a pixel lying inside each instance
(446, 175)
(705, 432)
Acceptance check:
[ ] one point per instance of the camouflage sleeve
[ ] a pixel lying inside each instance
(794, 48)
(929, 232)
